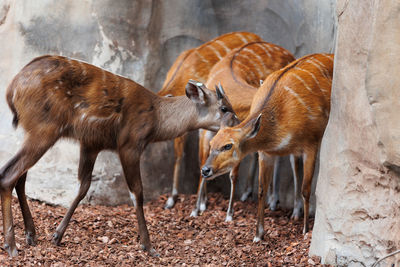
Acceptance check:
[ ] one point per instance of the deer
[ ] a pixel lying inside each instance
(238, 76)
(55, 97)
(196, 64)
(288, 115)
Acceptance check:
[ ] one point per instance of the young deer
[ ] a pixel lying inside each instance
(288, 115)
(240, 73)
(196, 64)
(55, 97)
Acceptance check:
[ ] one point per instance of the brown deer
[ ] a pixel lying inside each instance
(240, 73)
(55, 97)
(196, 64)
(288, 115)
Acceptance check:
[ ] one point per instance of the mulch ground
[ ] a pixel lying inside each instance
(107, 236)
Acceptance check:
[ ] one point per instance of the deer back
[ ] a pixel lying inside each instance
(78, 100)
(295, 104)
(196, 63)
(241, 71)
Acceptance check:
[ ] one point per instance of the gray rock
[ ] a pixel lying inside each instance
(358, 192)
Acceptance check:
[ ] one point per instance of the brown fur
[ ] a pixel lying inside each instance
(240, 73)
(294, 104)
(196, 64)
(54, 97)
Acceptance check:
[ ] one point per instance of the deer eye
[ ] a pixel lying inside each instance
(224, 109)
(226, 147)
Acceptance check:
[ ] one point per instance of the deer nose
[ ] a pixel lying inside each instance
(206, 171)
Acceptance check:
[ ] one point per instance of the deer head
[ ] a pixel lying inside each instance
(226, 148)
(211, 106)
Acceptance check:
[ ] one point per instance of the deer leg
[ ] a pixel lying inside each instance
(8, 227)
(30, 233)
(309, 159)
(86, 164)
(250, 178)
(273, 199)
(265, 164)
(200, 203)
(204, 149)
(179, 146)
(130, 161)
(233, 175)
(33, 149)
(298, 203)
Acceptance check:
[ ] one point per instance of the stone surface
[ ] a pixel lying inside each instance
(140, 40)
(358, 193)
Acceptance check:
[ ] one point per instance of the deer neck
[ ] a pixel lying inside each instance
(176, 116)
(266, 137)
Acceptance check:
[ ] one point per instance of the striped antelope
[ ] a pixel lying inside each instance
(55, 97)
(196, 64)
(288, 115)
(240, 73)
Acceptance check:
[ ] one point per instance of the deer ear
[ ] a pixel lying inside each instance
(195, 91)
(253, 126)
(220, 91)
(223, 100)
(229, 120)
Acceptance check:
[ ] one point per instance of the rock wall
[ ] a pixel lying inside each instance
(140, 40)
(358, 193)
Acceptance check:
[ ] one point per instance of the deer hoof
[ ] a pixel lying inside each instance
(295, 216)
(273, 205)
(228, 218)
(194, 213)
(170, 203)
(152, 252)
(12, 251)
(256, 239)
(30, 239)
(245, 196)
(305, 229)
(203, 206)
(56, 240)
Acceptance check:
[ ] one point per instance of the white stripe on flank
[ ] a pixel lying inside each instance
(103, 76)
(216, 52)
(83, 67)
(264, 49)
(212, 76)
(285, 141)
(312, 75)
(318, 67)
(290, 90)
(258, 57)
(202, 58)
(248, 70)
(323, 67)
(328, 57)
(269, 47)
(197, 77)
(95, 119)
(260, 73)
(285, 52)
(223, 45)
(302, 81)
(243, 38)
(315, 79)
